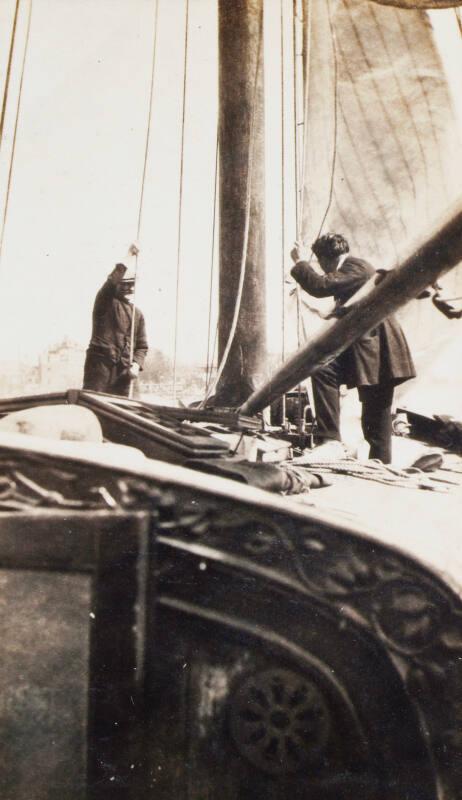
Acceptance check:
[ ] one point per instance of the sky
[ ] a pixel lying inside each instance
(76, 177)
(78, 165)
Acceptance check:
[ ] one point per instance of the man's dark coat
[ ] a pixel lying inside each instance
(382, 356)
(112, 320)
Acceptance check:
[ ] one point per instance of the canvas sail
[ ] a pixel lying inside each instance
(420, 3)
(382, 155)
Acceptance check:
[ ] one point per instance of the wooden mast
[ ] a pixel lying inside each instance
(242, 152)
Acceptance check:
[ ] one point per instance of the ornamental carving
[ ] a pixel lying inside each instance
(280, 721)
(415, 616)
(407, 616)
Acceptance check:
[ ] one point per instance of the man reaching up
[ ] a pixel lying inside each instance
(110, 365)
(374, 364)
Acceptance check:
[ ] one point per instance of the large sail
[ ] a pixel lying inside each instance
(383, 153)
(420, 3)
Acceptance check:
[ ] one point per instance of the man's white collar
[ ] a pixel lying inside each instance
(342, 258)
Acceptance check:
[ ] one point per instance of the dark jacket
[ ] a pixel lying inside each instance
(382, 356)
(112, 320)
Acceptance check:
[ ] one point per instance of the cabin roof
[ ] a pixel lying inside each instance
(423, 525)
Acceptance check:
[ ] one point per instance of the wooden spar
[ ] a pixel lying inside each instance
(242, 213)
(426, 262)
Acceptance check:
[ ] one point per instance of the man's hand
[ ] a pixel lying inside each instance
(337, 312)
(134, 370)
(300, 252)
(380, 275)
(118, 273)
(427, 292)
(446, 307)
(133, 249)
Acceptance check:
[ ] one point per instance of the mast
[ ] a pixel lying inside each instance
(242, 205)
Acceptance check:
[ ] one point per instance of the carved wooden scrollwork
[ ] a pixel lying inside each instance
(415, 616)
(407, 616)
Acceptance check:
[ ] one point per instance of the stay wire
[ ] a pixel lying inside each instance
(237, 305)
(209, 365)
(336, 108)
(306, 101)
(298, 174)
(8, 71)
(298, 177)
(209, 377)
(148, 131)
(295, 113)
(143, 177)
(180, 202)
(335, 135)
(283, 171)
(15, 135)
(459, 19)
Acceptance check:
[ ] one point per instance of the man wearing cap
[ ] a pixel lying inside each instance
(110, 365)
(374, 364)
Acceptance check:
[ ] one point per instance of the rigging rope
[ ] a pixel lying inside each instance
(373, 470)
(335, 135)
(143, 181)
(459, 19)
(306, 99)
(8, 71)
(237, 306)
(180, 202)
(300, 175)
(283, 170)
(298, 179)
(208, 369)
(214, 349)
(148, 131)
(296, 89)
(15, 134)
(300, 170)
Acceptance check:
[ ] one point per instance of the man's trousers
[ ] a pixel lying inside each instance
(376, 404)
(101, 375)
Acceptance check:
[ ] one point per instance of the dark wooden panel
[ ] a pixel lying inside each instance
(50, 540)
(114, 659)
(43, 684)
(72, 629)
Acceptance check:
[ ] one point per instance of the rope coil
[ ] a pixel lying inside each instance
(373, 470)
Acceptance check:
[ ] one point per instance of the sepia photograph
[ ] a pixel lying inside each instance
(230, 400)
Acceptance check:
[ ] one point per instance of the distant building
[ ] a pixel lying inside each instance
(61, 367)
(10, 378)
(18, 377)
